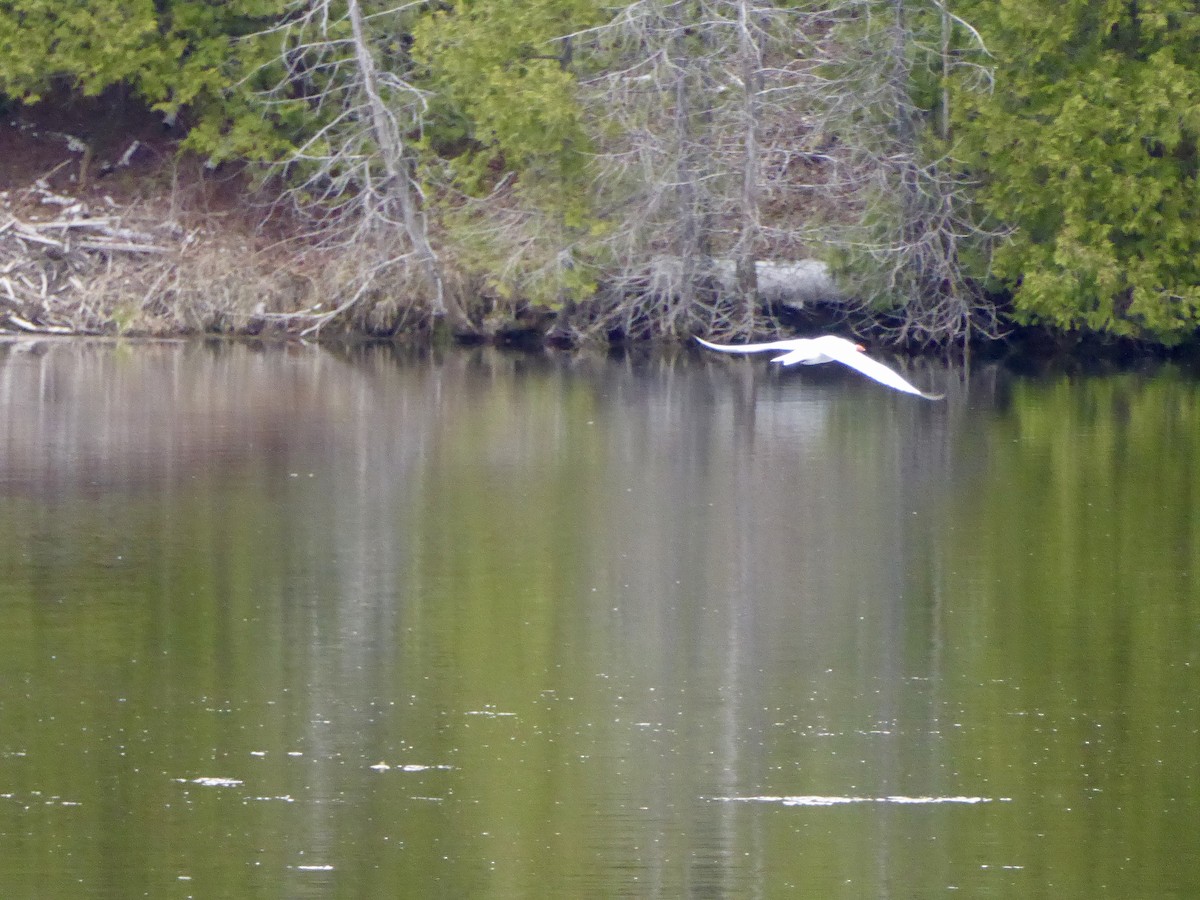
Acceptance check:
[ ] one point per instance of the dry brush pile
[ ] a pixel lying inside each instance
(95, 266)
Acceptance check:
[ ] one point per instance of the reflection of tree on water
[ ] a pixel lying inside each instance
(740, 518)
(598, 594)
(838, 535)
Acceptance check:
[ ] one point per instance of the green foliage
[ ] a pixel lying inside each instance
(501, 73)
(1088, 146)
(505, 111)
(171, 53)
(96, 44)
(209, 50)
(293, 83)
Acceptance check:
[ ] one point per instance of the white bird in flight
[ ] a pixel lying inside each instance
(827, 348)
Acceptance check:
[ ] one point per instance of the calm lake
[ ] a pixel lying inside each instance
(300, 622)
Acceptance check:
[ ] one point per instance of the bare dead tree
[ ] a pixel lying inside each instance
(737, 134)
(651, 168)
(913, 224)
(355, 176)
(745, 250)
(730, 135)
(700, 100)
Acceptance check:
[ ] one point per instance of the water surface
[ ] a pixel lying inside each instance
(295, 622)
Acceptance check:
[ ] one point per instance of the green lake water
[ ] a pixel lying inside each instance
(296, 622)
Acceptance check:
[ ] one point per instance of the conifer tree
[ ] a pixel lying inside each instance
(1088, 148)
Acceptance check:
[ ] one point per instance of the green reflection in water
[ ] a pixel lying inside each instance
(1078, 630)
(295, 623)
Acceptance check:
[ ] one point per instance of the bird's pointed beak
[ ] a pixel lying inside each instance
(860, 348)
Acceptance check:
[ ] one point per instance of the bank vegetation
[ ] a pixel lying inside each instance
(928, 172)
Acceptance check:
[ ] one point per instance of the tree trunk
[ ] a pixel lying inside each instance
(400, 185)
(746, 250)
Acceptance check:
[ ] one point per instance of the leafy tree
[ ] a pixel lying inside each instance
(502, 72)
(1088, 147)
(96, 44)
(509, 131)
(171, 53)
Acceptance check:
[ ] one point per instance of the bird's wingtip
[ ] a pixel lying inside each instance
(724, 348)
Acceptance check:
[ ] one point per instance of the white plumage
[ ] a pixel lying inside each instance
(827, 348)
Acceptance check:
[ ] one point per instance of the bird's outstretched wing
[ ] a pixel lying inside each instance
(848, 355)
(750, 348)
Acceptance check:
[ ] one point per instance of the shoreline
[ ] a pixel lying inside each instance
(162, 248)
(1019, 359)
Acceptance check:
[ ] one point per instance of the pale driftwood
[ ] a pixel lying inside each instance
(117, 247)
(48, 268)
(24, 233)
(794, 283)
(102, 234)
(26, 325)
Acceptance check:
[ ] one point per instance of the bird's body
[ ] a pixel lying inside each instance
(827, 348)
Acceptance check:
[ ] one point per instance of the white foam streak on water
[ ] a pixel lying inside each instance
(411, 767)
(213, 782)
(822, 800)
